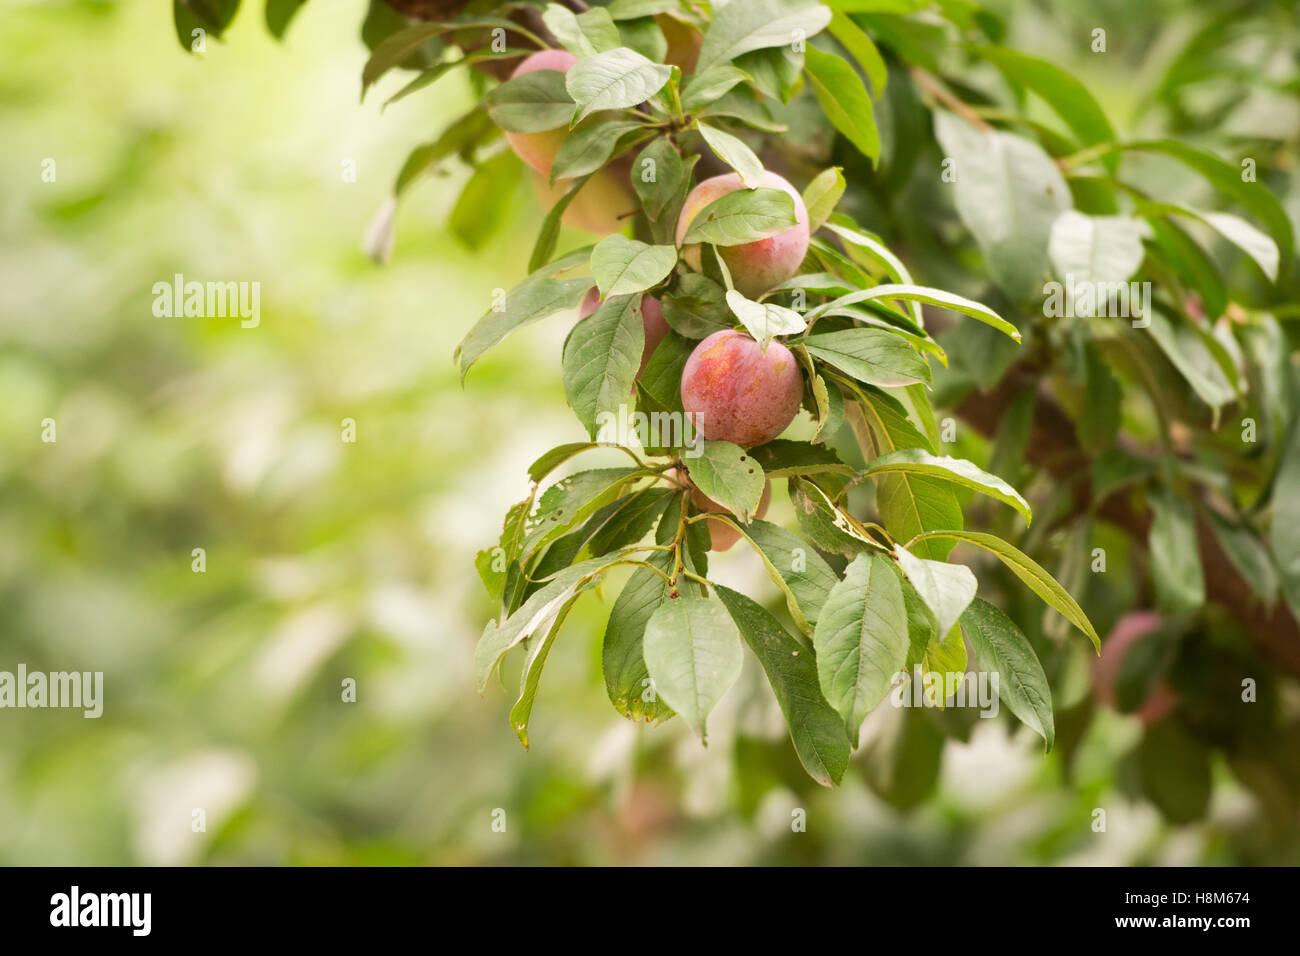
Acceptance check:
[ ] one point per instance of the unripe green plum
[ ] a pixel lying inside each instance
(1128, 630)
(652, 319)
(755, 266)
(737, 392)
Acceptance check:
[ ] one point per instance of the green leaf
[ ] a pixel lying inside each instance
(945, 588)
(573, 499)
(824, 524)
(1086, 250)
(1193, 360)
(908, 504)
(862, 48)
(1253, 196)
(861, 639)
(1284, 530)
(764, 320)
(592, 31)
(601, 359)
(704, 88)
(696, 307)
(729, 475)
(798, 570)
(615, 79)
(844, 100)
(662, 377)
(692, 651)
(1257, 245)
(279, 13)
(432, 74)
(541, 608)
(660, 178)
(956, 470)
(549, 235)
(629, 521)
(733, 151)
(1030, 572)
(917, 293)
(486, 200)
(1175, 555)
(782, 458)
(816, 730)
(759, 24)
(538, 296)
(522, 711)
(531, 102)
(210, 16)
(622, 266)
(588, 149)
(633, 9)
(1002, 649)
(1067, 97)
(872, 356)
(1008, 192)
(822, 195)
(742, 216)
(627, 679)
(396, 49)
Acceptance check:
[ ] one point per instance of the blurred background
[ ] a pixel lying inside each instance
(327, 560)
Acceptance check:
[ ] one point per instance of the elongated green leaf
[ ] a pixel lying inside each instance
(795, 567)
(729, 475)
(741, 216)
(481, 209)
(1001, 648)
(573, 499)
(782, 458)
(627, 679)
(822, 195)
(522, 711)
(1008, 193)
(862, 48)
(539, 295)
(1030, 572)
(759, 24)
(601, 359)
(396, 49)
(872, 356)
(861, 639)
(531, 102)
(916, 293)
(957, 470)
(733, 151)
(549, 234)
(1249, 556)
(1087, 250)
(844, 99)
(945, 588)
(1067, 97)
(279, 13)
(614, 79)
(815, 728)
(591, 147)
(692, 651)
(622, 266)
(1175, 555)
(704, 88)
(660, 178)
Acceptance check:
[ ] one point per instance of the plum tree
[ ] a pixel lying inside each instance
(755, 266)
(738, 391)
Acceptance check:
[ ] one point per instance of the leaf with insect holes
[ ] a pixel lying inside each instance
(764, 320)
(741, 216)
(733, 151)
(729, 475)
(693, 653)
(861, 639)
(622, 266)
(612, 80)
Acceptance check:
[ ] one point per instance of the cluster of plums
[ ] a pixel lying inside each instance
(733, 389)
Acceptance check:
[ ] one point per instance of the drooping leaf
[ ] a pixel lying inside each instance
(601, 359)
(1001, 648)
(693, 654)
(733, 151)
(956, 470)
(627, 679)
(815, 728)
(945, 588)
(822, 195)
(861, 639)
(844, 99)
(1175, 555)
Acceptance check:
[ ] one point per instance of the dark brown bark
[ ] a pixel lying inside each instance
(1054, 448)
